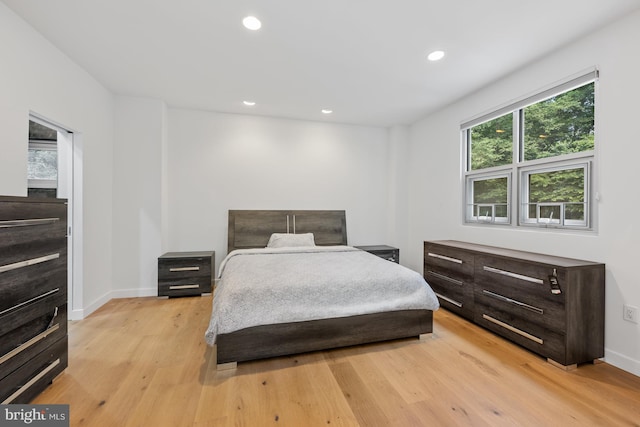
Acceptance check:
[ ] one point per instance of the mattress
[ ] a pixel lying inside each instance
(281, 285)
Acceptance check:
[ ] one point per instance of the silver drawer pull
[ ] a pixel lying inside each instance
(513, 301)
(29, 343)
(513, 329)
(443, 277)
(454, 302)
(28, 262)
(184, 287)
(27, 222)
(15, 307)
(446, 258)
(514, 275)
(32, 381)
(184, 269)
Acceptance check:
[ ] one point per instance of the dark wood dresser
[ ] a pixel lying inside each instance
(185, 273)
(383, 251)
(551, 305)
(33, 295)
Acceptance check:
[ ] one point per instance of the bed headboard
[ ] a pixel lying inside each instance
(252, 228)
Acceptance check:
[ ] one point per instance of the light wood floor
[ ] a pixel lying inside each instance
(143, 362)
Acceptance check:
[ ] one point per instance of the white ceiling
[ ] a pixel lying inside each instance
(364, 59)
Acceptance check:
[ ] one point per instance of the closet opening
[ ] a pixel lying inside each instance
(54, 170)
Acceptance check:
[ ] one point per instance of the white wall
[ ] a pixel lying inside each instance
(436, 198)
(156, 180)
(218, 162)
(137, 195)
(35, 76)
(398, 200)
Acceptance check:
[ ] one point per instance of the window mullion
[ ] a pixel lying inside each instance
(515, 179)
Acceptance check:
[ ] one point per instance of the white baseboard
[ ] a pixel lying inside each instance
(79, 314)
(623, 362)
(76, 315)
(120, 293)
(133, 293)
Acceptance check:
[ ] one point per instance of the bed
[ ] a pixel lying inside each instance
(290, 284)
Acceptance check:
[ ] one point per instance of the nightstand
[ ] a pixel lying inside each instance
(383, 251)
(185, 273)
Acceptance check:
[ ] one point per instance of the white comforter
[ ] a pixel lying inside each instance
(281, 285)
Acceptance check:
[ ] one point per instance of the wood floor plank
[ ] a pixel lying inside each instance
(143, 362)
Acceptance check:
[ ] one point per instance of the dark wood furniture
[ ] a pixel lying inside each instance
(383, 251)
(185, 273)
(252, 229)
(33, 295)
(551, 305)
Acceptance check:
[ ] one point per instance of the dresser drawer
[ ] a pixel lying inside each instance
(449, 272)
(20, 344)
(184, 286)
(29, 230)
(168, 269)
(383, 251)
(526, 285)
(450, 262)
(23, 384)
(454, 295)
(33, 280)
(537, 338)
(390, 255)
(547, 315)
(20, 211)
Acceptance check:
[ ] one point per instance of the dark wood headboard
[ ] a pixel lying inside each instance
(252, 228)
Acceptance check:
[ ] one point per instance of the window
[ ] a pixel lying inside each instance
(489, 201)
(546, 142)
(491, 143)
(42, 165)
(556, 196)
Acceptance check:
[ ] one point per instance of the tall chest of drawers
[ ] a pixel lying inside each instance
(33, 295)
(551, 305)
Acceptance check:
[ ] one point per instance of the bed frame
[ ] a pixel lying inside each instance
(252, 229)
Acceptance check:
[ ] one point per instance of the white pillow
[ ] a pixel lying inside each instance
(285, 240)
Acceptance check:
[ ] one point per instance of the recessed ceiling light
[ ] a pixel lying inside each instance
(249, 103)
(252, 23)
(436, 55)
(326, 111)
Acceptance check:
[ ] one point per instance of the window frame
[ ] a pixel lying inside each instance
(583, 162)
(496, 173)
(519, 171)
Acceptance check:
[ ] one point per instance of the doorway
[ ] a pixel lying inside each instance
(54, 169)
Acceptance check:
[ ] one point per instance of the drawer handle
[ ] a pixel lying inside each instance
(28, 262)
(454, 302)
(184, 269)
(29, 343)
(513, 329)
(184, 287)
(514, 275)
(513, 301)
(443, 277)
(27, 222)
(32, 381)
(15, 307)
(446, 258)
